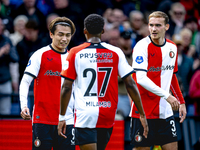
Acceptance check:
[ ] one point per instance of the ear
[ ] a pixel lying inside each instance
(85, 31)
(167, 26)
(102, 32)
(51, 35)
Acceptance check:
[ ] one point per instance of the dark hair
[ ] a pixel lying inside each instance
(32, 24)
(62, 21)
(94, 23)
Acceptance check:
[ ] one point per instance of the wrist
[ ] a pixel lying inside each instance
(61, 117)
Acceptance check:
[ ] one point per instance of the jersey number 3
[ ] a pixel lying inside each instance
(102, 92)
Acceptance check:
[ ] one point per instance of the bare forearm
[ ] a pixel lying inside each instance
(134, 94)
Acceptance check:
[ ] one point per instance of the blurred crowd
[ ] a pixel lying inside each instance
(24, 29)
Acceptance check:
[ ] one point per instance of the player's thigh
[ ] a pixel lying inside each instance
(103, 137)
(170, 146)
(42, 137)
(166, 131)
(91, 146)
(68, 142)
(85, 136)
(141, 148)
(137, 138)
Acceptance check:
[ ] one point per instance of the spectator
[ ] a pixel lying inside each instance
(125, 5)
(185, 65)
(29, 9)
(7, 54)
(136, 19)
(189, 49)
(113, 36)
(18, 35)
(192, 24)
(177, 18)
(5, 10)
(194, 92)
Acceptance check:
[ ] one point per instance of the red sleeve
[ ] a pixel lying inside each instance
(176, 89)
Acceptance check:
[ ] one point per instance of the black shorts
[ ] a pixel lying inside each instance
(46, 136)
(161, 131)
(101, 136)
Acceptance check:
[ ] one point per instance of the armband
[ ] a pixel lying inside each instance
(62, 117)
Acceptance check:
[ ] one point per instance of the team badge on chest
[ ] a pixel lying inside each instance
(171, 54)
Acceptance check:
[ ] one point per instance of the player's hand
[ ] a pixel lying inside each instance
(145, 125)
(173, 102)
(182, 112)
(62, 128)
(25, 113)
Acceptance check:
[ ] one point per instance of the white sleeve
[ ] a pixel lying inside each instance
(23, 90)
(149, 85)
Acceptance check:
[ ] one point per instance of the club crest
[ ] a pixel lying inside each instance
(37, 142)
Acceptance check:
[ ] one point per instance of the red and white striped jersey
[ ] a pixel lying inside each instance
(95, 69)
(45, 65)
(160, 62)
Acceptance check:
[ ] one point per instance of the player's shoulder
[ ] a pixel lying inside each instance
(80, 47)
(112, 48)
(144, 42)
(170, 42)
(42, 50)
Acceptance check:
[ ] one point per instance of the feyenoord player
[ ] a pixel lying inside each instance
(155, 63)
(45, 66)
(94, 66)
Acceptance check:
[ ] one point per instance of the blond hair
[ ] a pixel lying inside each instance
(160, 14)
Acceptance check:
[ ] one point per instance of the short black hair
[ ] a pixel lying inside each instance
(94, 23)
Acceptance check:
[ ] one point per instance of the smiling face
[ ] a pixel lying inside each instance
(61, 37)
(157, 29)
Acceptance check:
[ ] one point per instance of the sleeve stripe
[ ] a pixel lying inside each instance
(28, 73)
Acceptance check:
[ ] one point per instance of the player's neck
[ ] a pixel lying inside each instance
(159, 41)
(94, 40)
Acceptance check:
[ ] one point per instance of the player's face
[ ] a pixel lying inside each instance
(157, 29)
(61, 37)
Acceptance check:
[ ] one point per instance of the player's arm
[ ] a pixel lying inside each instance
(135, 96)
(149, 85)
(64, 101)
(23, 96)
(177, 93)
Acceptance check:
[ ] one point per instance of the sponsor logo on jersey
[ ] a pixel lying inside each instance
(49, 59)
(171, 54)
(37, 142)
(96, 55)
(168, 67)
(29, 63)
(51, 73)
(138, 138)
(99, 104)
(139, 59)
(101, 61)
